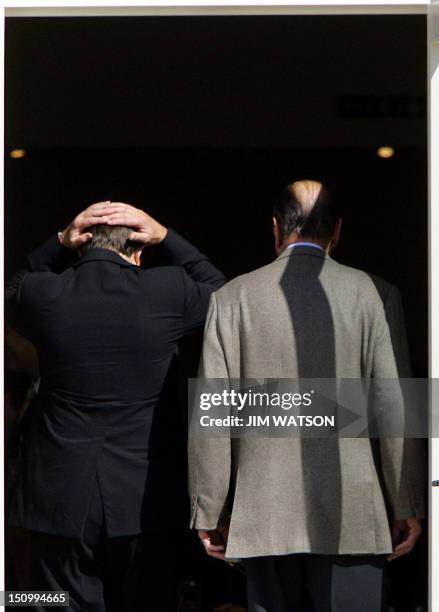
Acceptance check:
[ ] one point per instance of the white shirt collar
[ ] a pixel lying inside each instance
(308, 244)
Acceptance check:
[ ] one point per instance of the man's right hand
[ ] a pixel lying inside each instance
(75, 235)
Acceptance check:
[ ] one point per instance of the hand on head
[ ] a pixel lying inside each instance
(146, 230)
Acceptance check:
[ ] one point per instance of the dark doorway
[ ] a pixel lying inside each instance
(202, 121)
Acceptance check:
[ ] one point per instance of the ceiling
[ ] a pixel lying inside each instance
(295, 81)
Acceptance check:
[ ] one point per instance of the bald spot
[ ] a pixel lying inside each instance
(306, 193)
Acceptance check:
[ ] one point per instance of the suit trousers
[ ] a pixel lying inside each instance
(315, 583)
(102, 574)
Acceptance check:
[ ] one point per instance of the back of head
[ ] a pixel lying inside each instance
(305, 207)
(112, 237)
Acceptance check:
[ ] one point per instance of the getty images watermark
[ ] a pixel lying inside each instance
(242, 401)
(324, 407)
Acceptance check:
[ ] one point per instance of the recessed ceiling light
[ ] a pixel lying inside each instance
(385, 152)
(17, 153)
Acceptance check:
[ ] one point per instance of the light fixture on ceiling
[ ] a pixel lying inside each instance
(17, 153)
(385, 152)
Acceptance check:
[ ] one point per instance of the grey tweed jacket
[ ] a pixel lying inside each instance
(305, 315)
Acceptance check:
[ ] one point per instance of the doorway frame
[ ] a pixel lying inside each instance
(430, 8)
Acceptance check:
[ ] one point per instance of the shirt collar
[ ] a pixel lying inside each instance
(309, 249)
(307, 244)
(103, 255)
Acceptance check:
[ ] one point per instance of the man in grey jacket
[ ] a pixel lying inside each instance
(313, 519)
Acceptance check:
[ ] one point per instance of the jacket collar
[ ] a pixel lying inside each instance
(302, 250)
(103, 255)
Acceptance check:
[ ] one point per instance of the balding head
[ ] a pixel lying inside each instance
(306, 193)
(306, 210)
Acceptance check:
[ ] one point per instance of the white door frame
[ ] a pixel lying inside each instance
(433, 155)
(42, 8)
(49, 8)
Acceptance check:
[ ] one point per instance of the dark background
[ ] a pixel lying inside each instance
(202, 121)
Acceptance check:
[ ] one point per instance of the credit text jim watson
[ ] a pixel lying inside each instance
(271, 420)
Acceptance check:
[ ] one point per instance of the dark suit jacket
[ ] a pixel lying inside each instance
(107, 335)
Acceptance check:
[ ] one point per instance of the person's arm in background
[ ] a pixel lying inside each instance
(199, 276)
(402, 459)
(210, 458)
(405, 531)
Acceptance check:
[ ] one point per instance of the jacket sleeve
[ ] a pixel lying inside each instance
(403, 460)
(51, 256)
(209, 457)
(200, 277)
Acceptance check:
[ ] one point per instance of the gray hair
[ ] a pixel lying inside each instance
(114, 238)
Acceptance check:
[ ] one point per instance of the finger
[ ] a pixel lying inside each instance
(128, 214)
(98, 205)
(211, 547)
(409, 543)
(404, 547)
(113, 208)
(92, 220)
(118, 208)
(125, 205)
(400, 551)
(108, 204)
(216, 555)
(137, 237)
(396, 555)
(393, 556)
(84, 238)
(101, 203)
(122, 219)
(101, 210)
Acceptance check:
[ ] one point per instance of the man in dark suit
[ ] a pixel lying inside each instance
(98, 486)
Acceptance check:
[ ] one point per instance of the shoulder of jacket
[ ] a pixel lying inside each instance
(160, 271)
(234, 288)
(40, 277)
(363, 278)
(375, 294)
(385, 288)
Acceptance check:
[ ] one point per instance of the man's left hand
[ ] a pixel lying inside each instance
(405, 534)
